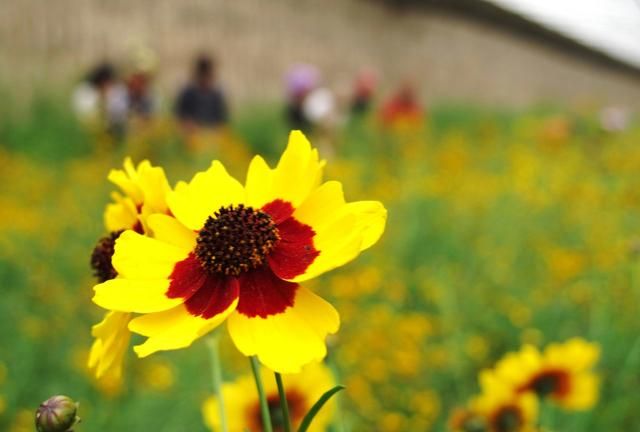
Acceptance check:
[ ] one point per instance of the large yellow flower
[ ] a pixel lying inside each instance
(504, 411)
(563, 373)
(145, 189)
(242, 406)
(239, 253)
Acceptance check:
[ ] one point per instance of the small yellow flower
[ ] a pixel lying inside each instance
(505, 411)
(563, 373)
(157, 375)
(243, 409)
(145, 189)
(240, 253)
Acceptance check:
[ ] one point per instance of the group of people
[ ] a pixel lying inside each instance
(311, 105)
(115, 98)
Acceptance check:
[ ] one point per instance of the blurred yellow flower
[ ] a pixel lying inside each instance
(505, 411)
(565, 264)
(239, 253)
(157, 375)
(23, 421)
(302, 391)
(562, 373)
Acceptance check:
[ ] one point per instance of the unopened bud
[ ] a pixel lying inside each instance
(57, 414)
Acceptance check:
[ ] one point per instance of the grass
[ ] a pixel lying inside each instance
(504, 228)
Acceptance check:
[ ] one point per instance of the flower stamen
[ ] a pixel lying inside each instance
(101, 257)
(236, 239)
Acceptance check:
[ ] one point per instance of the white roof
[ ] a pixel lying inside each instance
(609, 26)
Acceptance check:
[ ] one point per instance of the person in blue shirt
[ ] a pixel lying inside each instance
(201, 103)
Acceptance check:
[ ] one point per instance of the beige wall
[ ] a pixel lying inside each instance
(50, 42)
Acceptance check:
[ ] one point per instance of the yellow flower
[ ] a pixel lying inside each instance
(145, 191)
(240, 253)
(243, 409)
(504, 411)
(563, 373)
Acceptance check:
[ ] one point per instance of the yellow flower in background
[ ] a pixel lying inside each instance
(562, 373)
(240, 253)
(243, 407)
(145, 189)
(504, 411)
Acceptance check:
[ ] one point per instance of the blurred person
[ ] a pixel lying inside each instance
(142, 102)
(301, 80)
(614, 118)
(319, 108)
(402, 107)
(201, 103)
(363, 91)
(102, 99)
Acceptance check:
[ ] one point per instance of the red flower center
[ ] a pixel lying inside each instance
(236, 239)
(552, 382)
(245, 254)
(507, 419)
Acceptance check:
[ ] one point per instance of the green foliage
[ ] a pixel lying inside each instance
(503, 228)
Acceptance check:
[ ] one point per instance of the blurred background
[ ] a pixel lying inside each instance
(502, 136)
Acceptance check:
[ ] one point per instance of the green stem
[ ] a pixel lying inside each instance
(216, 372)
(264, 407)
(283, 403)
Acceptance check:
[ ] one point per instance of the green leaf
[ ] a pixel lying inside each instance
(306, 422)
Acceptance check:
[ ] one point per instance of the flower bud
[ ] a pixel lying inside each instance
(57, 414)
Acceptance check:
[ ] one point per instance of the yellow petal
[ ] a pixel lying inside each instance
(259, 183)
(322, 205)
(298, 172)
(112, 340)
(154, 185)
(584, 392)
(126, 180)
(575, 354)
(342, 230)
(287, 341)
(194, 202)
(371, 218)
(169, 230)
(140, 257)
(142, 296)
(121, 214)
(173, 329)
(239, 403)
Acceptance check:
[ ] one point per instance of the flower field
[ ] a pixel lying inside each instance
(504, 229)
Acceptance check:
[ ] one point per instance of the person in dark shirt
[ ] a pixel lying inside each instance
(201, 103)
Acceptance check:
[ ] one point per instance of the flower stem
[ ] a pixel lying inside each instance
(283, 403)
(216, 373)
(264, 407)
